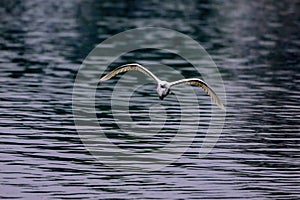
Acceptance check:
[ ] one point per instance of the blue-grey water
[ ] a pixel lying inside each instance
(256, 46)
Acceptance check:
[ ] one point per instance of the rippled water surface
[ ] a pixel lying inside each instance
(256, 48)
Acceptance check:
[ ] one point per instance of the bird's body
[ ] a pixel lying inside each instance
(163, 87)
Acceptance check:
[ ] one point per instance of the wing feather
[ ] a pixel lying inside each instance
(129, 67)
(204, 86)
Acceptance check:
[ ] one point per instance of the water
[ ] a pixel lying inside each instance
(254, 44)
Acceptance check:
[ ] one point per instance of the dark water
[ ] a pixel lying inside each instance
(256, 47)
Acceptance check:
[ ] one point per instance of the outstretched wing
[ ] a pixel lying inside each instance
(129, 67)
(203, 85)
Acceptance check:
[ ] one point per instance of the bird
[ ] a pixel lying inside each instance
(164, 87)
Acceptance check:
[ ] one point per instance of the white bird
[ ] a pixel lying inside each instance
(163, 87)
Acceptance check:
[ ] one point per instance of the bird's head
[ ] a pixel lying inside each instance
(163, 89)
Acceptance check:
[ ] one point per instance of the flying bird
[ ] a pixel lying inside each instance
(163, 87)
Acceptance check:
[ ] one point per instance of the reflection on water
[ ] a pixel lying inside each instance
(255, 45)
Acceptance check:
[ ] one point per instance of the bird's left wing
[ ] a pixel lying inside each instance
(129, 67)
(203, 85)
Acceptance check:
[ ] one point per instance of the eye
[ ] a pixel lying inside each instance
(162, 86)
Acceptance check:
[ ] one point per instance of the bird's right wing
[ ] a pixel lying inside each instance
(129, 67)
(204, 86)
